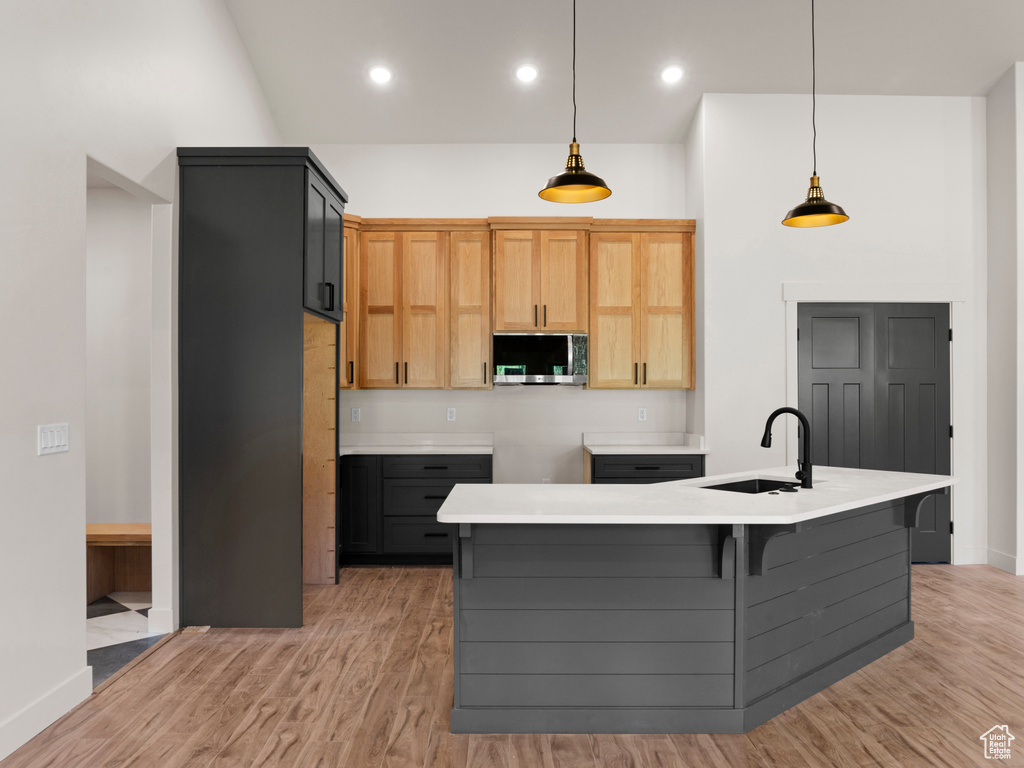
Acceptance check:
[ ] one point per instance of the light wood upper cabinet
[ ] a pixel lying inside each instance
(540, 280)
(348, 330)
(470, 322)
(403, 286)
(641, 316)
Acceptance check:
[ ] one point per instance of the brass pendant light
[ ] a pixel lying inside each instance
(815, 211)
(574, 184)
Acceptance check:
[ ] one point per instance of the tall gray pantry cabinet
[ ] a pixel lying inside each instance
(260, 242)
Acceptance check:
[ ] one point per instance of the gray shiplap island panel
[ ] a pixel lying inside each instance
(676, 628)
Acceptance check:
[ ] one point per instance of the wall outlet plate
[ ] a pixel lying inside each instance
(451, 414)
(641, 414)
(355, 415)
(53, 438)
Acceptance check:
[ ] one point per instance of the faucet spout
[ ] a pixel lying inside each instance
(804, 473)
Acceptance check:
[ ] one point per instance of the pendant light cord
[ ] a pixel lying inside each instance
(814, 125)
(574, 71)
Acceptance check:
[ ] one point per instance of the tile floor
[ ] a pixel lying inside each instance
(117, 630)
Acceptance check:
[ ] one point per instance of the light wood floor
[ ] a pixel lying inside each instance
(368, 682)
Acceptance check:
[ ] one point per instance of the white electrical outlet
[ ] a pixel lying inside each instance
(641, 414)
(451, 414)
(53, 438)
(355, 415)
(546, 480)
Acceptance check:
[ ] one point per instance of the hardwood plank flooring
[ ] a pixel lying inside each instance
(368, 682)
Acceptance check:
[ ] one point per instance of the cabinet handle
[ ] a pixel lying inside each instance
(636, 373)
(430, 467)
(406, 373)
(648, 468)
(445, 496)
(534, 315)
(645, 374)
(396, 372)
(330, 295)
(545, 315)
(435, 535)
(485, 371)
(351, 372)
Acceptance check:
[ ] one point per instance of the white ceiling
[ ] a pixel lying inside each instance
(454, 59)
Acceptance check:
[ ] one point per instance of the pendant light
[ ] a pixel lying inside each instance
(574, 184)
(815, 211)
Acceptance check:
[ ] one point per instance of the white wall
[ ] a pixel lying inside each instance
(1005, 160)
(124, 82)
(537, 429)
(118, 337)
(910, 172)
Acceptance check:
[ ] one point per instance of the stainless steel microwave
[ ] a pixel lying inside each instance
(540, 358)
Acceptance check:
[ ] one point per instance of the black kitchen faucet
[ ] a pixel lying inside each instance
(804, 473)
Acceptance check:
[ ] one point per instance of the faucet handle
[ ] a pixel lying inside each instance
(799, 474)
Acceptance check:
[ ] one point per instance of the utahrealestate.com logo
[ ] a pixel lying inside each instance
(997, 742)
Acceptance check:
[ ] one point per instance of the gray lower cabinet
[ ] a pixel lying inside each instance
(645, 468)
(389, 506)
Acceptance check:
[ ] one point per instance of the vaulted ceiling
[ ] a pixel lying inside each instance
(453, 61)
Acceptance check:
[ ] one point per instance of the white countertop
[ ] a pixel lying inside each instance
(639, 443)
(416, 443)
(836, 489)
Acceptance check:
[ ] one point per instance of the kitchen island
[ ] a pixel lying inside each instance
(674, 607)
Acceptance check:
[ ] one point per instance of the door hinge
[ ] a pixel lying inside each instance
(950, 527)
(950, 431)
(950, 334)
(798, 334)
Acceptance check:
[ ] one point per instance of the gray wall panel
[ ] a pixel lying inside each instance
(561, 560)
(615, 593)
(597, 658)
(597, 535)
(609, 625)
(596, 690)
(789, 547)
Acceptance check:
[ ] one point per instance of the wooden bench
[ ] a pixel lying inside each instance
(118, 558)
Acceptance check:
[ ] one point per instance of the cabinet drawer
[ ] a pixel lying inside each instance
(416, 534)
(462, 465)
(653, 467)
(418, 497)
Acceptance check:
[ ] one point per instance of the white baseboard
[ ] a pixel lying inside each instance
(1002, 561)
(31, 720)
(161, 620)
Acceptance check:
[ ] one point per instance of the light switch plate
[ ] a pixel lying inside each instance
(53, 438)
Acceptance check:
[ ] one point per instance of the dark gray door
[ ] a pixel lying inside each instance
(874, 383)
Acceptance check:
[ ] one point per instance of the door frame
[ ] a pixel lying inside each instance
(884, 293)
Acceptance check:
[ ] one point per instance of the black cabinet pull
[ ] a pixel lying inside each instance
(641, 468)
(351, 372)
(636, 375)
(406, 373)
(485, 371)
(430, 467)
(534, 315)
(645, 374)
(437, 497)
(435, 535)
(545, 315)
(330, 295)
(396, 372)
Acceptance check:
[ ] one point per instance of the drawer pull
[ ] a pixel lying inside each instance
(442, 498)
(639, 468)
(429, 467)
(435, 535)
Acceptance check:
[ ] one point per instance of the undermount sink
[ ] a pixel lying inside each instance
(756, 485)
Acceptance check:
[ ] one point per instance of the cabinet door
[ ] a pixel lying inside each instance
(380, 309)
(563, 281)
(349, 328)
(360, 504)
(470, 269)
(424, 310)
(614, 343)
(324, 253)
(666, 311)
(516, 280)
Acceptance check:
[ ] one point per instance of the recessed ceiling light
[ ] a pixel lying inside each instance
(380, 75)
(527, 73)
(672, 74)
